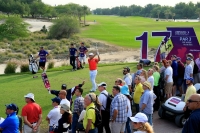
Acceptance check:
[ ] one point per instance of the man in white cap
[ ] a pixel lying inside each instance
(93, 69)
(105, 114)
(32, 115)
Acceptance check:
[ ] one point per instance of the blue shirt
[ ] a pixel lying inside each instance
(42, 54)
(188, 71)
(10, 124)
(82, 51)
(72, 51)
(192, 124)
(175, 68)
(147, 98)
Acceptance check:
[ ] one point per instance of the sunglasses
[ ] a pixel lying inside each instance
(116, 81)
(135, 122)
(191, 101)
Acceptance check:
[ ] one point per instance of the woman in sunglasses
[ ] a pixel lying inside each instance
(140, 124)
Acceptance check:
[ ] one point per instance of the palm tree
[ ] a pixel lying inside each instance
(167, 13)
(85, 12)
(198, 13)
(158, 13)
(173, 15)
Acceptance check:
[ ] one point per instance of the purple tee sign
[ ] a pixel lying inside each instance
(144, 47)
(184, 41)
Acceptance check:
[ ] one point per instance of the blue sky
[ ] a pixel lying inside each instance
(93, 4)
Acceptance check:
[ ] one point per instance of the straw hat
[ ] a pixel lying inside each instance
(147, 84)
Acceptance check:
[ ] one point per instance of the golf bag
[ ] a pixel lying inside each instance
(33, 66)
(78, 64)
(145, 62)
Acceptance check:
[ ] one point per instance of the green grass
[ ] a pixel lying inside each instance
(14, 87)
(122, 31)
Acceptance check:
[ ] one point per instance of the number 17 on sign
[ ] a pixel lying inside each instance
(144, 46)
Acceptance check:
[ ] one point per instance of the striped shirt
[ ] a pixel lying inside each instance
(119, 103)
(78, 104)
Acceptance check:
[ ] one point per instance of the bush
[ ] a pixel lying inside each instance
(10, 67)
(64, 27)
(51, 65)
(24, 68)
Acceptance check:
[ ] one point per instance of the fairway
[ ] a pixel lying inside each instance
(122, 31)
(14, 87)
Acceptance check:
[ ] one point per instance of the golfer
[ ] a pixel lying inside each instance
(82, 53)
(93, 69)
(43, 58)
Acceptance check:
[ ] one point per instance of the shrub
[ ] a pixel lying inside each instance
(10, 67)
(64, 27)
(51, 65)
(24, 68)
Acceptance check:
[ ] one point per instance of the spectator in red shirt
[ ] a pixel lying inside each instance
(93, 69)
(32, 115)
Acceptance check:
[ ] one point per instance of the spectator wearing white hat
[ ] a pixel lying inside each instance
(65, 120)
(147, 101)
(32, 115)
(105, 114)
(93, 69)
(140, 123)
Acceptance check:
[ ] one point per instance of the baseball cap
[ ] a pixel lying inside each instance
(91, 54)
(30, 95)
(191, 79)
(63, 86)
(188, 58)
(12, 106)
(124, 90)
(139, 117)
(56, 99)
(102, 84)
(65, 107)
(190, 54)
(127, 68)
(178, 58)
(174, 56)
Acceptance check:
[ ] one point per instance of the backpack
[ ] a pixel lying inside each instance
(109, 100)
(98, 120)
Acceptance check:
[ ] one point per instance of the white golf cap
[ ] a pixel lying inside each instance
(30, 95)
(91, 54)
(102, 84)
(139, 117)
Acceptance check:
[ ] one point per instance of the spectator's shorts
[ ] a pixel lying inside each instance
(180, 82)
(175, 80)
(168, 88)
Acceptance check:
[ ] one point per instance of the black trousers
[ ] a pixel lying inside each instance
(156, 91)
(105, 122)
(72, 61)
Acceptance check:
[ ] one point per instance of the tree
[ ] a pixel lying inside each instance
(167, 13)
(64, 27)
(198, 13)
(158, 13)
(85, 12)
(37, 8)
(173, 15)
(14, 27)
